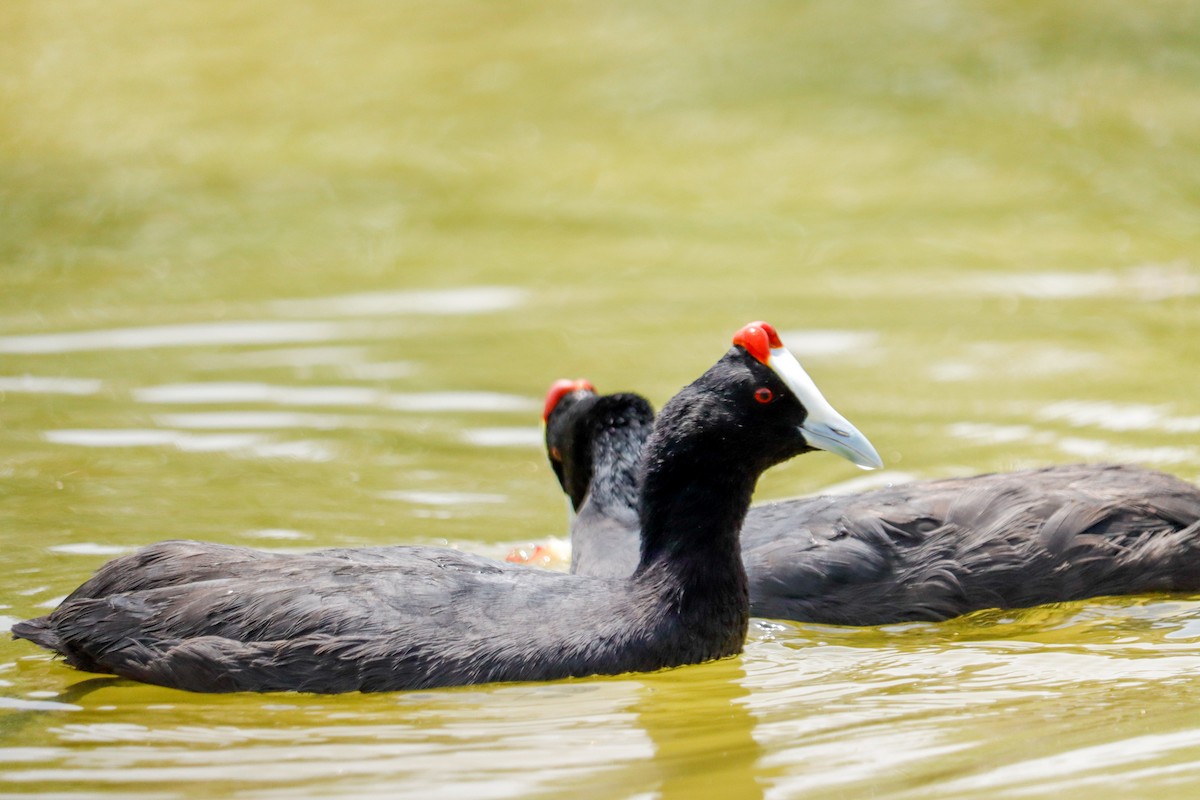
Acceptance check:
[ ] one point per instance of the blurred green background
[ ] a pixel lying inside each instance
(1000, 200)
(177, 157)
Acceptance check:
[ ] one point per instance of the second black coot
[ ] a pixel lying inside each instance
(927, 550)
(214, 618)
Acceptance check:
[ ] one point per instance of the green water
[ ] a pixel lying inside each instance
(296, 275)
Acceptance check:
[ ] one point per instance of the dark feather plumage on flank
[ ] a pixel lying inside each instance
(215, 618)
(928, 550)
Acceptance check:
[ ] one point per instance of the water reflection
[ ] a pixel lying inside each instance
(956, 709)
(1031, 701)
(703, 731)
(657, 733)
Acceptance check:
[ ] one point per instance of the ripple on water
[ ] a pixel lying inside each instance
(1119, 416)
(20, 704)
(219, 392)
(1084, 766)
(89, 549)
(258, 420)
(874, 480)
(223, 392)
(993, 433)
(460, 401)
(195, 334)
(817, 343)
(941, 710)
(471, 300)
(442, 498)
(504, 437)
(1074, 446)
(1108, 451)
(1018, 361)
(236, 444)
(282, 357)
(441, 302)
(1146, 282)
(503, 733)
(277, 534)
(16, 755)
(32, 384)
(350, 362)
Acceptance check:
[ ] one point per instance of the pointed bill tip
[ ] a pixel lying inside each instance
(843, 439)
(823, 428)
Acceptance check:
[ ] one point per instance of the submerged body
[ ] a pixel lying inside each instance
(927, 550)
(214, 618)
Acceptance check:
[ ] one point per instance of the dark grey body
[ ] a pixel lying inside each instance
(927, 550)
(206, 617)
(932, 550)
(214, 618)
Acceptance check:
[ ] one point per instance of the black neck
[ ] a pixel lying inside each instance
(693, 517)
(692, 508)
(616, 457)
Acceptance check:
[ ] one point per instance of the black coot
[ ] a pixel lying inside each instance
(211, 618)
(928, 550)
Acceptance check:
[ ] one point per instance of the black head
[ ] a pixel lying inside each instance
(755, 408)
(567, 404)
(567, 445)
(579, 422)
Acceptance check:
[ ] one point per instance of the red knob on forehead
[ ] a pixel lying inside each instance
(758, 338)
(560, 389)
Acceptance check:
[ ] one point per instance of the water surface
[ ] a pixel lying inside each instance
(298, 277)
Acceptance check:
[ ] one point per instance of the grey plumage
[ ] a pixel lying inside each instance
(932, 550)
(334, 621)
(928, 550)
(215, 618)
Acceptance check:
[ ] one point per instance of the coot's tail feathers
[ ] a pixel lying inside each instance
(159, 565)
(39, 632)
(102, 635)
(316, 663)
(1108, 531)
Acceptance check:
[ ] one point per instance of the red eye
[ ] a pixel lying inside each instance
(764, 395)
